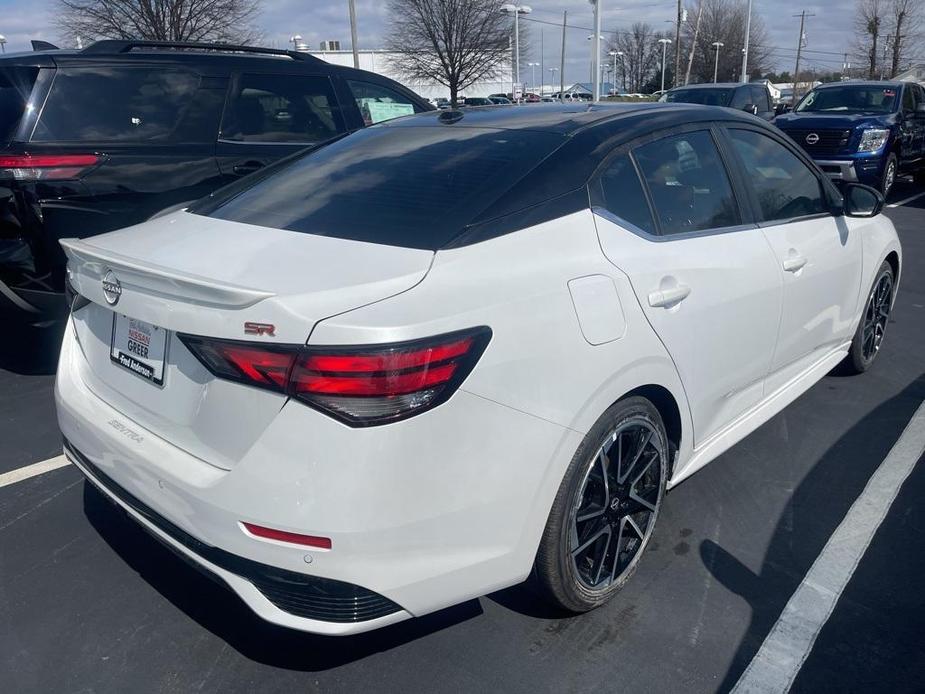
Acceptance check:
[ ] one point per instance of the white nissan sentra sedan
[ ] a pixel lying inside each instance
(456, 350)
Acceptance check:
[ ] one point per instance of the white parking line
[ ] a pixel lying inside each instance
(33, 470)
(905, 200)
(778, 661)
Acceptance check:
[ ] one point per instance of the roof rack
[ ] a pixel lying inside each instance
(111, 46)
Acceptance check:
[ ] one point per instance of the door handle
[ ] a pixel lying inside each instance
(669, 297)
(794, 263)
(247, 167)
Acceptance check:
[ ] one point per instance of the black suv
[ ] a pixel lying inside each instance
(753, 98)
(101, 138)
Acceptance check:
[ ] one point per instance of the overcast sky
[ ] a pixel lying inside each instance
(829, 33)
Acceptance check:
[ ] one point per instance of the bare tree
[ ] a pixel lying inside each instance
(724, 21)
(868, 26)
(905, 17)
(641, 53)
(452, 42)
(160, 20)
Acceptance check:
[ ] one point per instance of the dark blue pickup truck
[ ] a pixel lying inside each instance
(869, 132)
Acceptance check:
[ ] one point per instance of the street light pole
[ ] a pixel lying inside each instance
(517, 10)
(353, 33)
(532, 67)
(716, 46)
(743, 78)
(2, 43)
(664, 43)
(596, 50)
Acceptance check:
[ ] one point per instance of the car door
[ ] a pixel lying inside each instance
(818, 255)
(909, 134)
(269, 116)
(669, 218)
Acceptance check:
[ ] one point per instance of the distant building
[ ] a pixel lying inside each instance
(916, 73)
(588, 88)
(330, 45)
(380, 62)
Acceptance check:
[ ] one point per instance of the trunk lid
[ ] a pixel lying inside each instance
(193, 274)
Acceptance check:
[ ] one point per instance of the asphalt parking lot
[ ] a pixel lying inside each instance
(89, 602)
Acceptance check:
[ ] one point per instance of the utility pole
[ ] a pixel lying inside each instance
(796, 70)
(743, 78)
(542, 71)
(562, 57)
(353, 33)
(690, 56)
(677, 48)
(716, 46)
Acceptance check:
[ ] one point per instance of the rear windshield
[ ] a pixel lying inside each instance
(706, 97)
(15, 88)
(416, 187)
(127, 104)
(850, 99)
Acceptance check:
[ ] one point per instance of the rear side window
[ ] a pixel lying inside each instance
(123, 104)
(623, 195)
(282, 108)
(741, 98)
(15, 88)
(416, 187)
(760, 99)
(378, 103)
(688, 183)
(784, 185)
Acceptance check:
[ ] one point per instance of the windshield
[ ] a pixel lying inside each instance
(706, 97)
(850, 99)
(412, 186)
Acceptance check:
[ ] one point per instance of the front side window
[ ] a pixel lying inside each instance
(688, 183)
(784, 185)
(623, 195)
(741, 98)
(122, 104)
(282, 108)
(707, 96)
(760, 99)
(378, 103)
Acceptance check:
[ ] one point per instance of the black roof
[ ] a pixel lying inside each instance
(571, 118)
(714, 85)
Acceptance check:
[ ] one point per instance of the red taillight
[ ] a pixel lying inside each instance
(44, 167)
(285, 536)
(358, 385)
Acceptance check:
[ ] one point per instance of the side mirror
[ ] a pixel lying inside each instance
(782, 108)
(751, 108)
(861, 200)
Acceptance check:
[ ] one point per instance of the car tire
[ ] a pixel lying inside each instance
(865, 346)
(579, 566)
(890, 171)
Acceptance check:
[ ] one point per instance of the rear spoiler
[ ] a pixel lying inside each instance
(38, 45)
(88, 262)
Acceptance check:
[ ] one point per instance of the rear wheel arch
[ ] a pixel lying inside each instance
(668, 409)
(893, 259)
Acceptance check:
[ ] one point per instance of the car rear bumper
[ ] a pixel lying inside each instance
(422, 514)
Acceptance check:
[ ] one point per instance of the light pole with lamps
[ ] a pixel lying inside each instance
(533, 67)
(552, 78)
(743, 78)
(664, 43)
(2, 43)
(716, 46)
(614, 55)
(516, 10)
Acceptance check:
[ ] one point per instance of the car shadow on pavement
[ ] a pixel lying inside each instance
(30, 350)
(215, 607)
(804, 527)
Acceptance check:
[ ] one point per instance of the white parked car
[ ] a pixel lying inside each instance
(353, 415)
